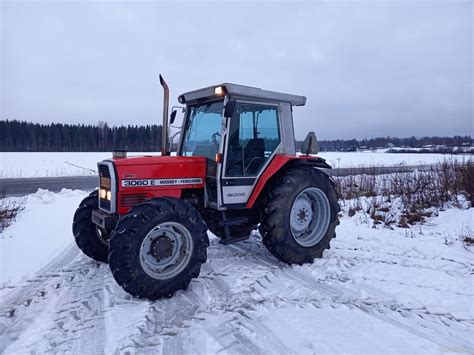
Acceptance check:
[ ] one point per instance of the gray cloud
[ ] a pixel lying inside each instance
(368, 68)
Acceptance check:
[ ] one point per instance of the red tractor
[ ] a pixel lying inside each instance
(235, 169)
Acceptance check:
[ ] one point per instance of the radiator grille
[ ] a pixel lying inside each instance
(128, 201)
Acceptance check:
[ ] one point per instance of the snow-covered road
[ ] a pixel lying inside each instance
(375, 291)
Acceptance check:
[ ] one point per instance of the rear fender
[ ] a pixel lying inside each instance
(278, 166)
(317, 162)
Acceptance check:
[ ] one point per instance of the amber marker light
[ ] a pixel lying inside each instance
(218, 158)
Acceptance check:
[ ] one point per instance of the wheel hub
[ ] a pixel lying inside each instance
(162, 247)
(301, 214)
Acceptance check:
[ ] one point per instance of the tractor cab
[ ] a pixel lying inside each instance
(239, 129)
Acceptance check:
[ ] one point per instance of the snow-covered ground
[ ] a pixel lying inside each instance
(17, 165)
(369, 159)
(375, 291)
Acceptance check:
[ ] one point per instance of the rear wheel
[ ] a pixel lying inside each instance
(299, 216)
(158, 247)
(89, 238)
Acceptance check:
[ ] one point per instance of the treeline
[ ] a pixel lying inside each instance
(57, 137)
(352, 145)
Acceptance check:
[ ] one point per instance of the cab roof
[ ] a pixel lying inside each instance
(241, 92)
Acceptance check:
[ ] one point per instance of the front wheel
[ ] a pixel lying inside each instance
(299, 216)
(89, 238)
(158, 247)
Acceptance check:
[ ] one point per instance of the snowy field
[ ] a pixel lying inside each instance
(375, 291)
(18, 165)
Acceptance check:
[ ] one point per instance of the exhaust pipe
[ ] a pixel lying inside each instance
(164, 128)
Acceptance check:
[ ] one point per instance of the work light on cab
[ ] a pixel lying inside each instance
(219, 91)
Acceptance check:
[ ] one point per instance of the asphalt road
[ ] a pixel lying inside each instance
(25, 186)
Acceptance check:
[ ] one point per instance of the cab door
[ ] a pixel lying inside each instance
(252, 139)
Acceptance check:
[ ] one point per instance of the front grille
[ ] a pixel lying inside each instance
(105, 182)
(128, 201)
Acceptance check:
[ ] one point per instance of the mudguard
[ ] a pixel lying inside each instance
(279, 164)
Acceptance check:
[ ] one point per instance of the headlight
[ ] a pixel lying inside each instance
(109, 195)
(103, 193)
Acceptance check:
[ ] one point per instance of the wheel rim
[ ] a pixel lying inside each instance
(102, 235)
(166, 250)
(309, 217)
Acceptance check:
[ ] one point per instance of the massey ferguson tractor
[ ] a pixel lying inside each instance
(235, 170)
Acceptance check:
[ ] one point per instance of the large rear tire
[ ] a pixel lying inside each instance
(89, 238)
(158, 247)
(299, 216)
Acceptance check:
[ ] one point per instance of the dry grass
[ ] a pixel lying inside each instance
(418, 194)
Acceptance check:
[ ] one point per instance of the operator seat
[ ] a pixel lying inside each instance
(254, 154)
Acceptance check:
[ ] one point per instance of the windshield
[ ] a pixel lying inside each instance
(202, 131)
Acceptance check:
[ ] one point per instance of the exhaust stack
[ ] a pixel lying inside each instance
(164, 128)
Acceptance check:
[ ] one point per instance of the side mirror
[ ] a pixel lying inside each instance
(173, 116)
(310, 144)
(230, 108)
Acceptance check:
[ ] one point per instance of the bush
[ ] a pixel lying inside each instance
(8, 211)
(418, 194)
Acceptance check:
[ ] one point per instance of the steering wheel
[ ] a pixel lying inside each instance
(214, 139)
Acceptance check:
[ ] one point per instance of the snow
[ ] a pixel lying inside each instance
(379, 158)
(40, 164)
(21, 164)
(41, 232)
(325, 331)
(377, 290)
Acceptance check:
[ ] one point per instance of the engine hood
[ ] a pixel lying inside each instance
(156, 160)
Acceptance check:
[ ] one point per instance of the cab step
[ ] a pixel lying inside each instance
(233, 221)
(227, 241)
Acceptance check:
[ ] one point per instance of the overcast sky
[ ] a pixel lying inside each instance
(368, 68)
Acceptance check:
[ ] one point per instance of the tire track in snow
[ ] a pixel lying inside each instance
(60, 311)
(15, 311)
(426, 325)
(209, 297)
(66, 307)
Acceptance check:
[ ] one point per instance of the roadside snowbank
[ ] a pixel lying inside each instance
(41, 231)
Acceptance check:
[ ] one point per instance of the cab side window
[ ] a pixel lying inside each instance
(253, 136)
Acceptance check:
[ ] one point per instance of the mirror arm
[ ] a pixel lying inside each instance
(182, 108)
